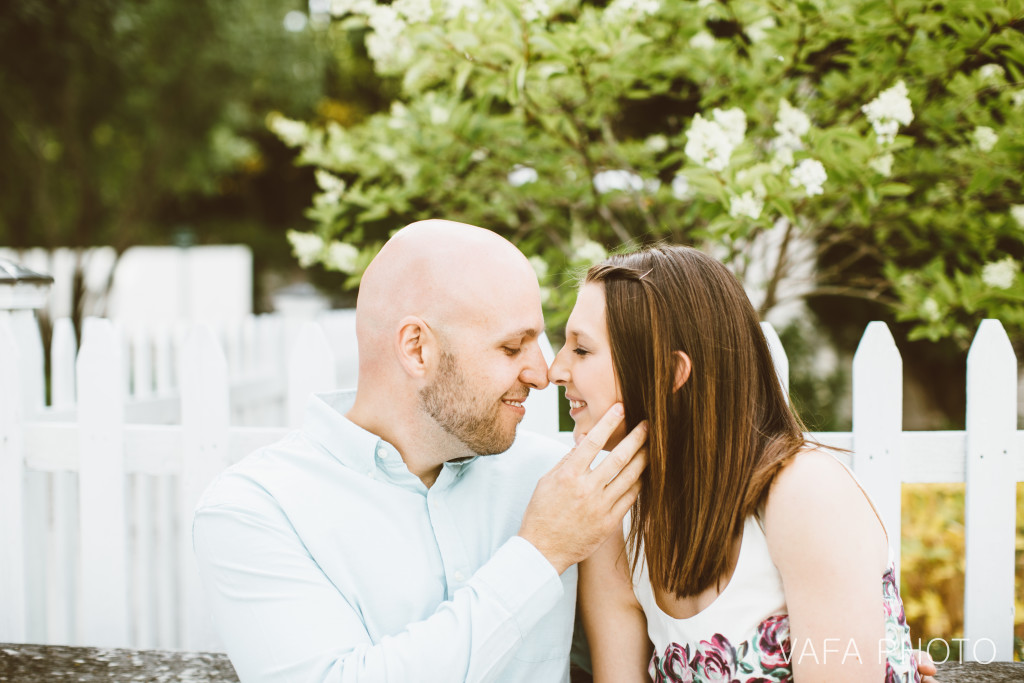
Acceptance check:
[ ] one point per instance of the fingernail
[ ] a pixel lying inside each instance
(618, 409)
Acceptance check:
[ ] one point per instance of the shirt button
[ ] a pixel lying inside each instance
(460, 577)
(371, 474)
(382, 453)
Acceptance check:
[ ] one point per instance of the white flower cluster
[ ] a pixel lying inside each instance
(657, 143)
(702, 41)
(984, 138)
(469, 8)
(1017, 211)
(931, 310)
(758, 30)
(589, 251)
(638, 9)
(535, 9)
(341, 257)
(809, 174)
(1000, 274)
(1017, 97)
(293, 133)
(888, 111)
(623, 181)
(340, 8)
(747, 204)
(791, 125)
(711, 142)
(329, 182)
(521, 175)
(414, 11)
(681, 188)
(882, 164)
(385, 45)
(991, 72)
(307, 247)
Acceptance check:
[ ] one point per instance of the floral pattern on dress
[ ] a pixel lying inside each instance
(765, 658)
(762, 659)
(901, 665)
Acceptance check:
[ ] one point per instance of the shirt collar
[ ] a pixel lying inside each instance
(355, 447)
(326, 423)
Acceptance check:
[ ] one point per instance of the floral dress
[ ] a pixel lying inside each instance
(743, 636)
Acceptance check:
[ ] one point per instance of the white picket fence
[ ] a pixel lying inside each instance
(97, 489)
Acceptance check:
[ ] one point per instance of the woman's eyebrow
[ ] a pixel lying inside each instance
(578, 333)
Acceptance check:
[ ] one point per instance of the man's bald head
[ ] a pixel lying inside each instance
(449, 324)
(450, 274)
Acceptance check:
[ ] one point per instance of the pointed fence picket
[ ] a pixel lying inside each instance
(205, 409)
(101, 477)
(991, 492)
(878, 425)
(127, 467)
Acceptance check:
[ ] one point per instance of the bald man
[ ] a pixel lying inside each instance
(406, 533)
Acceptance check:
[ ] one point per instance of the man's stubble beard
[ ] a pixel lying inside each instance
(450, 403)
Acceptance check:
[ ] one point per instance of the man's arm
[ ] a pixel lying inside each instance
(282, 619)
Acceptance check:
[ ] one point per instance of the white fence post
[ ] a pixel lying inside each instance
(990, 501)
(340, 328)
(542, 406)
(878, 425)
(204, 420)
(310, 370)
(101, 478)
(779, 357)
(12, 468)
(62, 614)
(36, 496)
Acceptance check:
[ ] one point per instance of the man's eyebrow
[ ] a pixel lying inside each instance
(527, 332)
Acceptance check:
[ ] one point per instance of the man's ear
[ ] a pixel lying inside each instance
(415, 345)
(683, 367)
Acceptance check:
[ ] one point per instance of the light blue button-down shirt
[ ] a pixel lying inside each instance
(325, 559)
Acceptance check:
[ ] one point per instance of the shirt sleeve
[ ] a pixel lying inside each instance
(281, 618)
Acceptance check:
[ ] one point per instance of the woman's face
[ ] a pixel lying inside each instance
(584, 365)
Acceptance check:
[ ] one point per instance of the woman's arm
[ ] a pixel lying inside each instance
(831, 550)
(615, 624)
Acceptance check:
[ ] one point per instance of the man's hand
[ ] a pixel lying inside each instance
(575, 508)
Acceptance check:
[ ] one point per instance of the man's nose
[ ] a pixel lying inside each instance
(535, 374)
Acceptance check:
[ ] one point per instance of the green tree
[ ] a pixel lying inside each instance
(881, 139)
(124, 118)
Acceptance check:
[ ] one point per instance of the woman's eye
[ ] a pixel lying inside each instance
(580, 352)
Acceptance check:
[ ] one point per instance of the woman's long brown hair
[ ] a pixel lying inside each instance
(715, 444)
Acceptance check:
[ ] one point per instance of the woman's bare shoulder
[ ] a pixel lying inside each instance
(815, 502)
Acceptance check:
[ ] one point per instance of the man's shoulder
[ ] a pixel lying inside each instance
(251, 479)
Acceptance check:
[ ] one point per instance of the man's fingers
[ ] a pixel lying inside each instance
(628, 475)
(622, 453)
(588, 448)
(626, 500)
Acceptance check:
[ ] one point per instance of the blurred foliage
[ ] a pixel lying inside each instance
(932, 573)
(123, 120)
(575, 127)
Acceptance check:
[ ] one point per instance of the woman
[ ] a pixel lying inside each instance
(751, 554)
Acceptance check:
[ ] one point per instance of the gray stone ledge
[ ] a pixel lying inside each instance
(46, 663)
